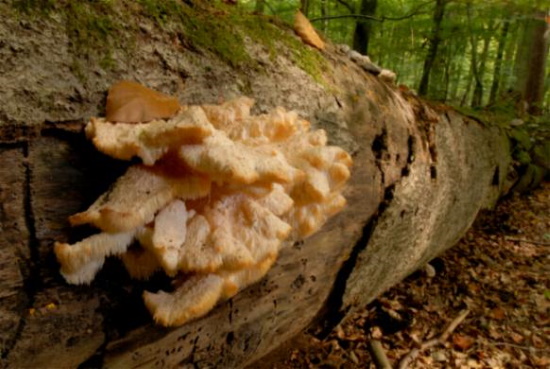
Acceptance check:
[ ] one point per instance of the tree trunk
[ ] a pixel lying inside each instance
(324, 14)
(531, 62)
(509, 65)
(363, 28)
(420, 176)
(260, 6)
(537, 59)
(434, 41)
(498, 62)
(304, 7)
(478, 60)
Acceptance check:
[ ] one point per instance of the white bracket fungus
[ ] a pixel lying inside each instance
(218, 192)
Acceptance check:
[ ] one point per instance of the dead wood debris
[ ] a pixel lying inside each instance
(407, 359)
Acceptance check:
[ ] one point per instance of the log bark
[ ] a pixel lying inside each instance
(421, 173)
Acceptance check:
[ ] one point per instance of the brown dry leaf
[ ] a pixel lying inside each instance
(498, 313)
(462, 342)
(307, 33)
(130, 102)
(542, 362)
(517, 338)
(537, 341)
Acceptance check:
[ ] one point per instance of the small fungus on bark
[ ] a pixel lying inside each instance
(218, 193)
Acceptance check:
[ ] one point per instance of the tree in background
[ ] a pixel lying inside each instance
(462, 52)
(363, 27)
(531, 61)
(503, 38)
(260, 6)
(304, 7)
(434, 42)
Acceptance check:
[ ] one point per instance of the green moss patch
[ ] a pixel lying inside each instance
(93, 30)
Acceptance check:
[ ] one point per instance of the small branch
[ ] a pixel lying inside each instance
(407, 359)
(361, 16)
(346, 4)
(455, 323)
(527, 241)
(527, 348)
(379, 355)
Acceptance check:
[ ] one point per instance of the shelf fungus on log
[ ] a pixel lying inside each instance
(218, 193)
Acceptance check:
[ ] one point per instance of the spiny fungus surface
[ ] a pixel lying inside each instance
(217, 193)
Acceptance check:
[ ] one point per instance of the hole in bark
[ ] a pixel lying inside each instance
(411, 145)
(380, 144)
(230, 338)
(496, 176)
(433, 172)
(298, 282)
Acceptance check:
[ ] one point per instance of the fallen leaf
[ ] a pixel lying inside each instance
(497, 313)
(517, 338)
(130, 102)
(537, 341)
(462, 342)
(307, 33)
(543, 362)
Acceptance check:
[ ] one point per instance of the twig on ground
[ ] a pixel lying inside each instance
(407, 359)
(379, 355)
(527, 348)
(527, 241)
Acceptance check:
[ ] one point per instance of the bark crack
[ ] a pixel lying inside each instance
(335, 311)
(31, 269)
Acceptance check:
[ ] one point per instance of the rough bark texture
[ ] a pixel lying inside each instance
(420, 176)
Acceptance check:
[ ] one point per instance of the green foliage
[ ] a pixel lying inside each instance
(522, 138)
(400, 40)
(34, 6)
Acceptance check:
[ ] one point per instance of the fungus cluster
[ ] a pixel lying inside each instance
(217, 193)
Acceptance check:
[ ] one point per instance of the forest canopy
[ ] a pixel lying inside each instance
(466, 53)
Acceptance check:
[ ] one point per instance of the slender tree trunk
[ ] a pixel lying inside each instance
(324, 13)
(448, 70)
(469, 81)
(498, 62)
(508, 66)
(460, 47)
(533, 92)
(304, 7)
(435, 40)
(363, 28)
(260, 6)
(473, 56)
(477, 97)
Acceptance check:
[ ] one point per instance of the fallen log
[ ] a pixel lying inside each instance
(421, 174)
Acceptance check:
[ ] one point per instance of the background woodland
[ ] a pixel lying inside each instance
(472, 54)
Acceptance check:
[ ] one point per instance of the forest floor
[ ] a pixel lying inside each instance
(485, 303)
